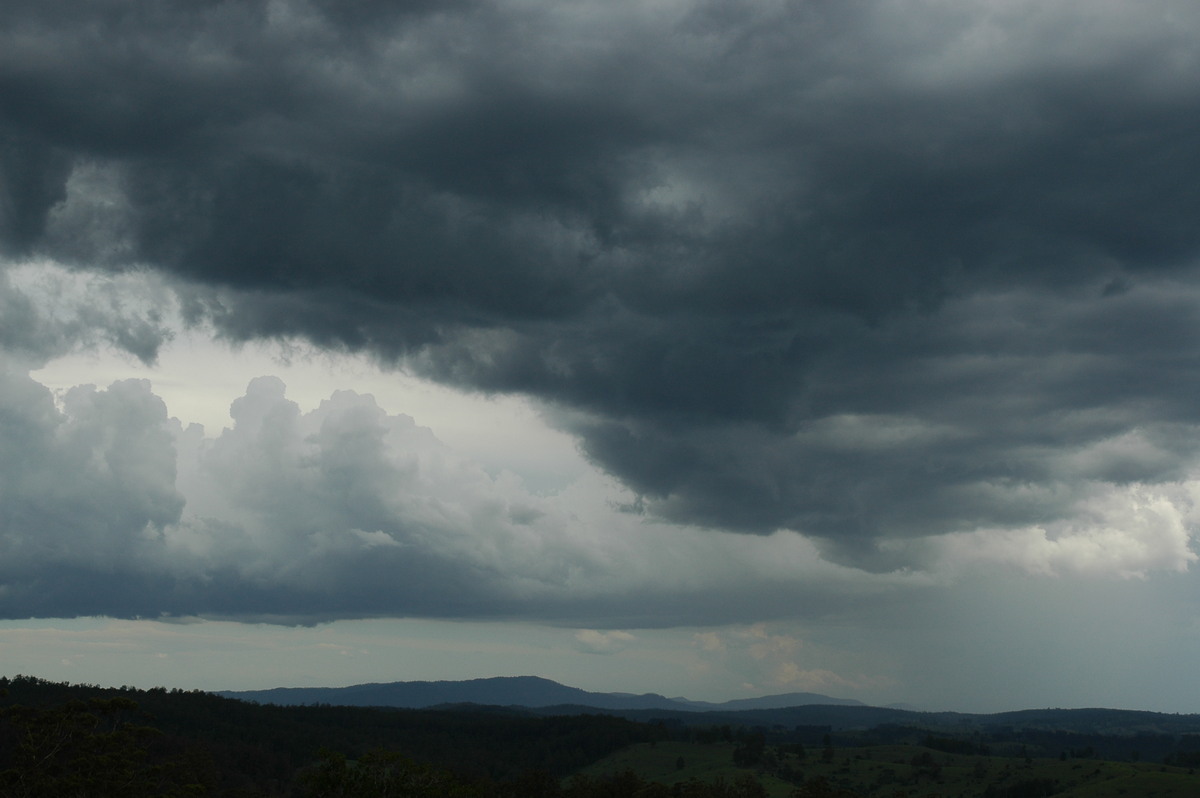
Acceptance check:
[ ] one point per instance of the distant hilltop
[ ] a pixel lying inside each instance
(507, 691)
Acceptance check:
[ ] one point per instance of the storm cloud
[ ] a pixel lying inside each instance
(870, 272)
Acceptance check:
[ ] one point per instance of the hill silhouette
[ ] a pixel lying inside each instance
(521, 691)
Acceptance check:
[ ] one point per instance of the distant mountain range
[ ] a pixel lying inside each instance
(532, 695)
(508, 691)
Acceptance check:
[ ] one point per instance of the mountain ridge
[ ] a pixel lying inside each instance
(522, 691)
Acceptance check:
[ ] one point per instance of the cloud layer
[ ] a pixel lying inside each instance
(109, 507)
(347, 511)
(879, 273)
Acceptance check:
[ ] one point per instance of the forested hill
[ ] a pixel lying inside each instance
(234, 747)
(522, 691)
(1112, 722)
(61, 739)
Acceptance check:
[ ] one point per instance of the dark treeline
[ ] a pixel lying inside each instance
(1119, 745)
(1109, 723)
(59, 739)
(1131, 746)
(194, 743)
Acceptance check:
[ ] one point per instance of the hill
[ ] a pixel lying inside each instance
(61, 739)
(521, 691)
(51, 733)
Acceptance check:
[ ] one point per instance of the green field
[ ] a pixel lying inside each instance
(910, 771)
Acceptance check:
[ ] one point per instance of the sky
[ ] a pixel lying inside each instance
(713, 349)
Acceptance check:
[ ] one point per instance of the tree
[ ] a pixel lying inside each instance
(827, 750)
(87, 748)
(750, 751)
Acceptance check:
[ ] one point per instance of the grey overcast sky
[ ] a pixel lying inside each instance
(708, 348)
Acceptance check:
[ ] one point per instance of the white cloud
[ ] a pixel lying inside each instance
(793, 677)
(91, 486)
(776, 657)
(1122, 532)
(50, 311)
(593, 641)
(347, 510)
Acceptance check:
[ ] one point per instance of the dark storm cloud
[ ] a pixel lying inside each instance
(859, 269)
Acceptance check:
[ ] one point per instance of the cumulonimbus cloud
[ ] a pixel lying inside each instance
(345, 511)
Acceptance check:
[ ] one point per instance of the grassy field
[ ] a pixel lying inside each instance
(910, 771)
